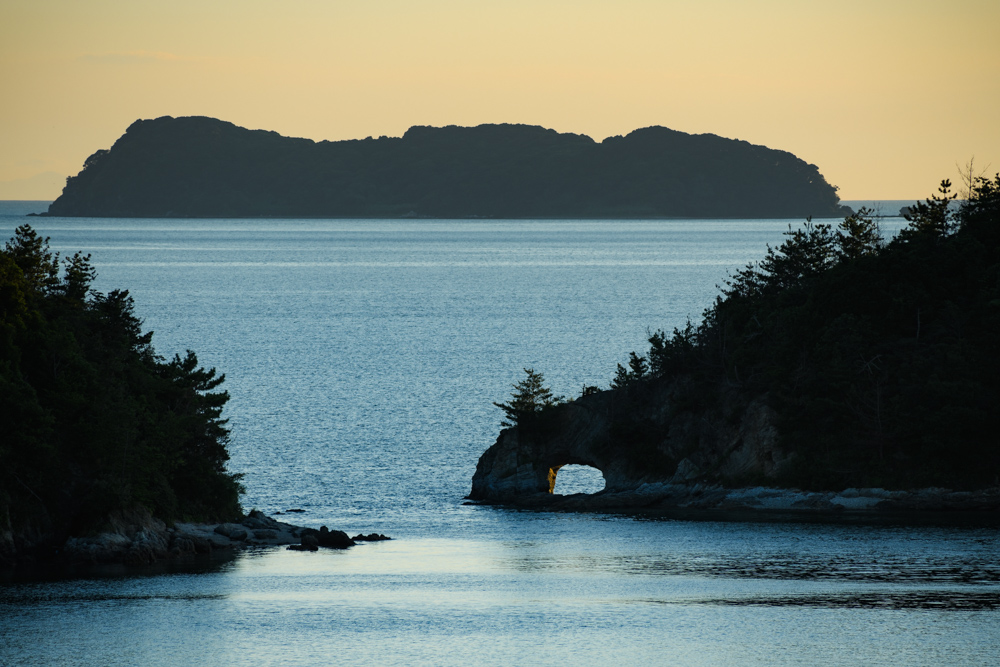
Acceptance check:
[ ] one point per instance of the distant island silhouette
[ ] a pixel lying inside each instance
(203, 167)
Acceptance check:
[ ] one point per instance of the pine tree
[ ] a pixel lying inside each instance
(530, 397)
(931, 217)
(859, 235)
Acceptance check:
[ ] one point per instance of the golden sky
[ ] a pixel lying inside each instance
(884, 96)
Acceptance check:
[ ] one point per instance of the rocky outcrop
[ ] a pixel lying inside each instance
(135, 538)
(658, 455)
(371, 537)
(634, 440)
(312, 539)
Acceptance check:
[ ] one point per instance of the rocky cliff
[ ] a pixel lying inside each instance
(634, 438)
(659, 454)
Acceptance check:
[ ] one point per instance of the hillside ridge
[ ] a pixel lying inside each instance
(203, 167)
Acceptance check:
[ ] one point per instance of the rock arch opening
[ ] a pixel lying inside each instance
(566, 480)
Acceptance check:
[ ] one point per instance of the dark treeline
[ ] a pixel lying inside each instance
(93, 420)
(202, 167)
(881, 360)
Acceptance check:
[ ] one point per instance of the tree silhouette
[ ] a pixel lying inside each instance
(530, 396)
(859, 235)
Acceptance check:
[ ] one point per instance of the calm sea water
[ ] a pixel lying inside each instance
(363, 358)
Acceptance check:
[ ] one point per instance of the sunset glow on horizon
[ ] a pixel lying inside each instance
(885, 97)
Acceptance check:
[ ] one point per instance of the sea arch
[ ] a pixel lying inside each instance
(572, 478)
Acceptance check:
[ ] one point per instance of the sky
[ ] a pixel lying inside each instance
(887, 97)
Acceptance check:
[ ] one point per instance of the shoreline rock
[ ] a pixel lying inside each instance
(760, 500)
(371, 537)
(703, 462)
(136, 539)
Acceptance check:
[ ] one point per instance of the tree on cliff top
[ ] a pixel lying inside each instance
(530, 396)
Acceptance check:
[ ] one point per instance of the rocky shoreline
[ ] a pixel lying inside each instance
(735, 466)
(667, 496)
(136, 539)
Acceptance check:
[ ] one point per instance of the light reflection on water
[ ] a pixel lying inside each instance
(586, 588)
(363, 358)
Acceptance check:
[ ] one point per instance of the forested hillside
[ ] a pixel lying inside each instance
(93, 419)
(839, 360)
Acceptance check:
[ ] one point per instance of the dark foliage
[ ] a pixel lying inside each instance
(201, 167)
(530, 398)
(880, 359)
(93, 420)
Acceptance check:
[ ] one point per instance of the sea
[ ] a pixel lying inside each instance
(363, 359)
